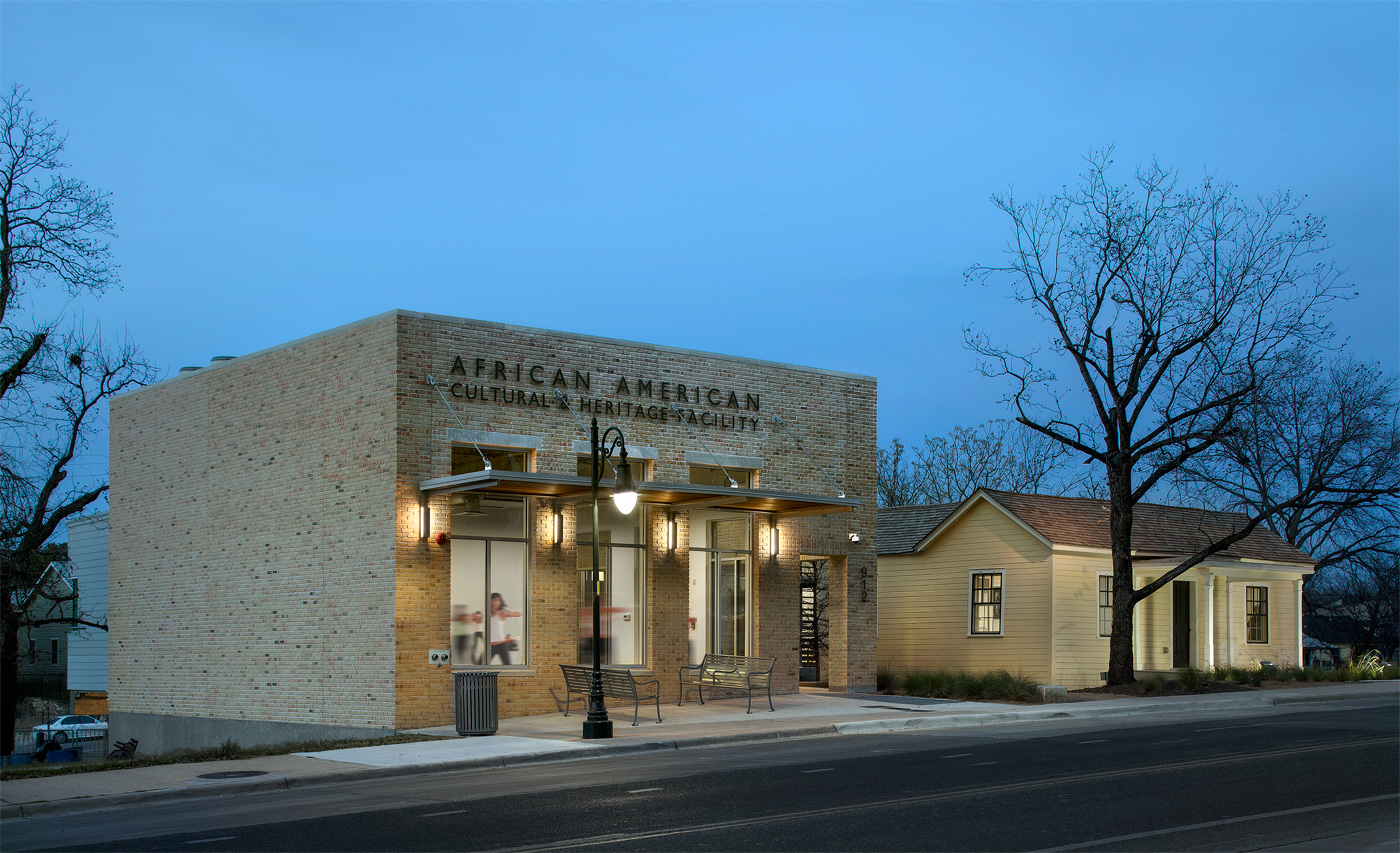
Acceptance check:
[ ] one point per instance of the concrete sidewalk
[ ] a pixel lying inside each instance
(554, 737)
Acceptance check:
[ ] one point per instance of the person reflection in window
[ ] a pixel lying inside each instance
(501, 642)
(466, 635)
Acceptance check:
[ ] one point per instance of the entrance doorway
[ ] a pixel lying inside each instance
(812, 618)
(1181, 624)
(720, 585)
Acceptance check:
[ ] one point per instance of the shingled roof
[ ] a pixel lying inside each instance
(1083, 522)
(899, 529)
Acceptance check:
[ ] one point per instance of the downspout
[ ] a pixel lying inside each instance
(1298, 621)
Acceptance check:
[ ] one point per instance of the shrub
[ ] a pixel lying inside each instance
(1152, 685)
(920, 682)
(884, 677)
(1367, 666)
(1191, 679)
(1003, 685)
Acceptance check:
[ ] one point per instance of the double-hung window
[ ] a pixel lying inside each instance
(1256, 614)
(1105, 605)
(986, 603)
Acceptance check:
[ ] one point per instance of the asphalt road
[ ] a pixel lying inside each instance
(1326, 777)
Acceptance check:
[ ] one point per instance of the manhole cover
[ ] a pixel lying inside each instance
(233, 774)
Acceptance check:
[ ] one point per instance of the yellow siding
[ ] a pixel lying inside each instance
(924, 607)
(1078, 653)
(1153, 624)
(1282, 648)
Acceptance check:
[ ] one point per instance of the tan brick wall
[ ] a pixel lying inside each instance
(266, 556)
(253, 512)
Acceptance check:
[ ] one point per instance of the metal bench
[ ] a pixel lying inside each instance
(732, 672)
(617, 684)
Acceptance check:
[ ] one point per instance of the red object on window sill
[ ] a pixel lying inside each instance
(443, 538)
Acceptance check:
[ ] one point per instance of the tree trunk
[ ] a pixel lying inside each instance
(1120, 528)
(9, 682)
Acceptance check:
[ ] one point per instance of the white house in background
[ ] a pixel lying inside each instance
(1024, 583)
(87, 647)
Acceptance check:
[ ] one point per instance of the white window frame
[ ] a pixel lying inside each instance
(1247, 614)
(1001, 603)
(1098, 605)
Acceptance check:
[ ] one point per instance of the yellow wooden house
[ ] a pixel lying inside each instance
(1024, 583)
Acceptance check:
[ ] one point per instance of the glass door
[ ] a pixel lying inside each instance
(731, 603)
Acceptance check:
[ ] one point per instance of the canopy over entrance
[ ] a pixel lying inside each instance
(676, 496)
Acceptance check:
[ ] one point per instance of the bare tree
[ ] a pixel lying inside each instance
(897, 481)
(1170, 308)
(998, 454)
(55, 376)
(1324, 439)
(1358, 603)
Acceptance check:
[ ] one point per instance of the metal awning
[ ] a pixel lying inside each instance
(675, 496)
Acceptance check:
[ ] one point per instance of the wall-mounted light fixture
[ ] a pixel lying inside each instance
(556, 525)
(854, 537)
(670, 531)
(425, 521)
(775, 540)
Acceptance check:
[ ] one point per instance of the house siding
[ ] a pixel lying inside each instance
(924, 607)
(1079, 653)
(87, 647)
(1282, 648)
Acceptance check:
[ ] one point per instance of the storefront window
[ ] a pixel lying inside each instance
(640, 469)
(466, 459)
(720, 590)
(703, 476)
(490, 574)
(622, 577)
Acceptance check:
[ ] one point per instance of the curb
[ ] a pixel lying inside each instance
(1059, 711)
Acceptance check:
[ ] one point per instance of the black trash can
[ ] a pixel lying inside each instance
(476, 702)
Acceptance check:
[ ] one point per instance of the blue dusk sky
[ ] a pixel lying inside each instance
(799, 182)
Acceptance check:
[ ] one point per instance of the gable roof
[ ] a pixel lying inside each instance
(1083, 522)
(900, 529)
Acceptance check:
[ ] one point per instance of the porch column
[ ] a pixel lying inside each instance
(1229, 622)
(1208, 588)
(1298, 621)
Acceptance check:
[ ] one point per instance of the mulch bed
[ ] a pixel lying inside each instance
(1168, 688)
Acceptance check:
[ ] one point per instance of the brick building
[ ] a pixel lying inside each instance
(293, 531)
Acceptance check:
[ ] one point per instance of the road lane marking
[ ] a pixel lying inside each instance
(1224, 822)
(1101, 740)
(643, 790)
(923, 799)
(983, 763)
(1227, 728)
(440, 814)
(960, 755)
(211, 840)
(823, 770)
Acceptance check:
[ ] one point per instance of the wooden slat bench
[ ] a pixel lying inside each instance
(617, 684)
(731, 672)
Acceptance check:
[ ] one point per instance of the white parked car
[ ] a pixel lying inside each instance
(69, 727)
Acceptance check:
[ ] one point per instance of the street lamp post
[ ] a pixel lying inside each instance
(625, 496)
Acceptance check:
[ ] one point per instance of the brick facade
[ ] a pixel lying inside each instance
(269, 578)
